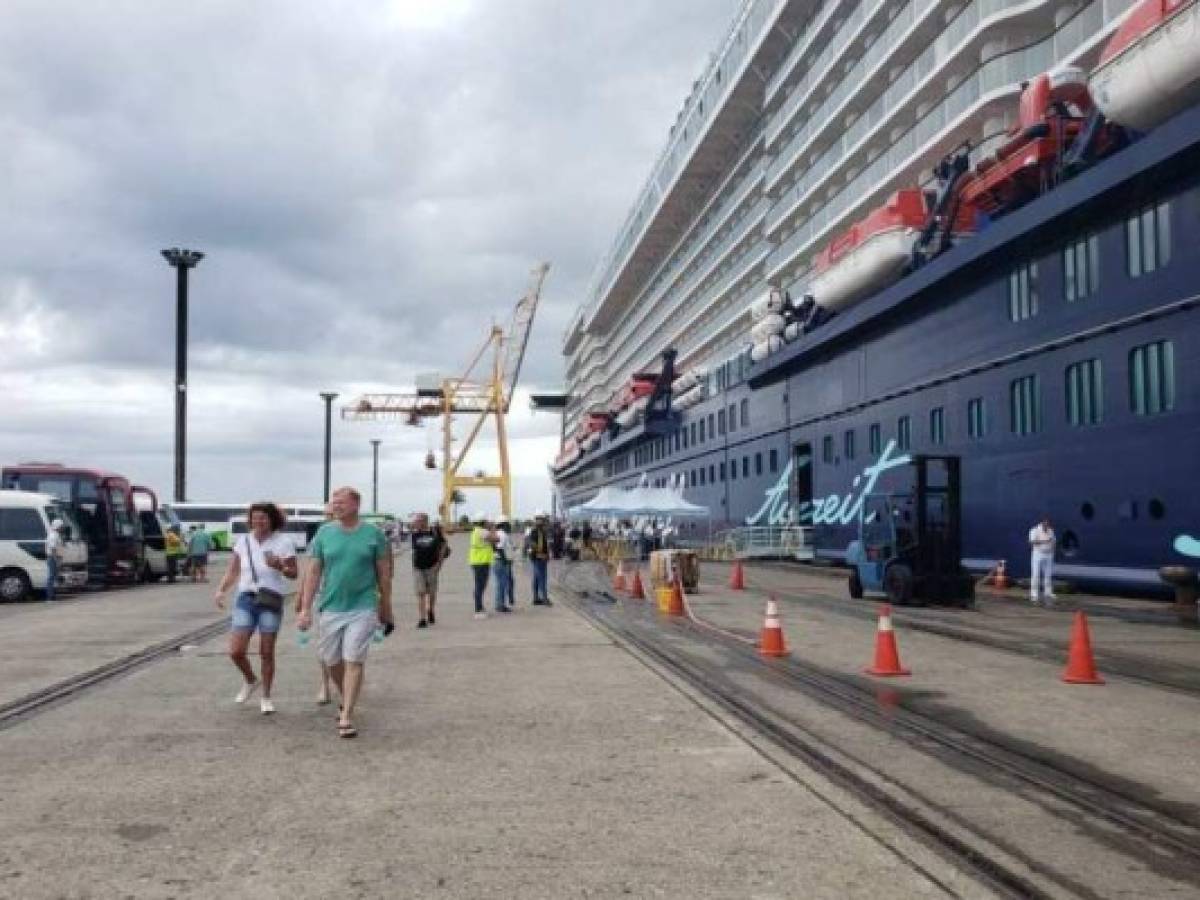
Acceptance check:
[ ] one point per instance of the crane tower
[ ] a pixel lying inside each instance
(483, 391)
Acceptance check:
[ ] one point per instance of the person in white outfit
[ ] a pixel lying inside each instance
(1041, 562)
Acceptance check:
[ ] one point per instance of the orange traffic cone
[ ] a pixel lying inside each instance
(1081, 664)
(737, 578)
(770, 640)
(636, 591)
(619, 578)
(887, 654)
(675, 604)
(1000, 579)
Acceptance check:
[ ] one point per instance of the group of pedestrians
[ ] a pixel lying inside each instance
(491, 554)
(345, 591)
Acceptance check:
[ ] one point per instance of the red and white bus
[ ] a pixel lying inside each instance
(103, 504)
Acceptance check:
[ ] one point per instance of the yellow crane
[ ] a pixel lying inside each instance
(483, 391)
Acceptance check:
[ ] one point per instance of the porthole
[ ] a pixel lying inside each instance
(1087, 511)
(1156, 509)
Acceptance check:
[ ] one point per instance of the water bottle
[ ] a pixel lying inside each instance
(302, 637)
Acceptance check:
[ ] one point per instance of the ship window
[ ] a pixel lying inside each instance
(1085, 393)
(1156, 508)
(937, 426)
(712, 474)
(848, 444)
(757, 463)
(1081, 268)
(745, 413)
(712, 426)
(745, 467)
(1148, 239)
(976, 419)
(721, 422)
(702, 475)
(733, 470)
(875, 439)
(703, 433)
(1024, 403)
(1088, 511)
(721, 471)
(1152, 378)
(1022, 293)
(733, 418)
(827, 449)
(774, 460)
(904, 432)
(693, 434)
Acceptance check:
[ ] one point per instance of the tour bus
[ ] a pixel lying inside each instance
(301, 527)
(216, 517)
(103, 504)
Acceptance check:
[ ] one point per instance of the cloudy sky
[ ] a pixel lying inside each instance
(371, 181)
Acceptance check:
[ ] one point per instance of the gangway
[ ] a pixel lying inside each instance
(769, 542)
(484, 390)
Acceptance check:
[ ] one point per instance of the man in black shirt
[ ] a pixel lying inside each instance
(429, 550)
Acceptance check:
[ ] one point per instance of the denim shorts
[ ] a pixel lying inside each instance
(248, 616)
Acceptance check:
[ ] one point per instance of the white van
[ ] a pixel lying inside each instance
(25, 519)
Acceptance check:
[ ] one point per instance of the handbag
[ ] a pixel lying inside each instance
(264, 598)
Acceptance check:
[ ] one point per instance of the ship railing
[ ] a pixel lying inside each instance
(768, 541)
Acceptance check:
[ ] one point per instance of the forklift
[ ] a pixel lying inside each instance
(909, 544)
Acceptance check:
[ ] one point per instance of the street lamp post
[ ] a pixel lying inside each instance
(375, 442)
(181, 260)
(328, 397)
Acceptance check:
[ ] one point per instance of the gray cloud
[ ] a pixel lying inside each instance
(371, 182)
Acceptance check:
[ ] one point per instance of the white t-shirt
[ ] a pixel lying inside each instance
(1041, 540)
(279, 544)
(503, 544)
(54, 544)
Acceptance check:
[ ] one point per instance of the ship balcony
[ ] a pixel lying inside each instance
(729, 214)
(815, 206)
(723, 108)
(950, 53)
(871, 34)
(828, 21)
(695, 293)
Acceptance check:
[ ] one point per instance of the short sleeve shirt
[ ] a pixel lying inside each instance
(199, 543)
(272, 579)
(427, 548)
(348, 580)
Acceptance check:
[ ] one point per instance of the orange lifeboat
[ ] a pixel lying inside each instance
(871, 253)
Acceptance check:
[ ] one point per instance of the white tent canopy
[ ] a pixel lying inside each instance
(640, 501)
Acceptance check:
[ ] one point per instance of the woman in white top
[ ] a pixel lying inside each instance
(262, 559)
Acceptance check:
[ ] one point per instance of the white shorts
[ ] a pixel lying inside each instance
(346, 635)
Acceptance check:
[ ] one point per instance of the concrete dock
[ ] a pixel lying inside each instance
(521, 756)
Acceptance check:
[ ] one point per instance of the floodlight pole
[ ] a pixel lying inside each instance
(181, 260)
(375, 442)
(328, 397)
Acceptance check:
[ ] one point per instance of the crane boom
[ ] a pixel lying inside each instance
(519, 329)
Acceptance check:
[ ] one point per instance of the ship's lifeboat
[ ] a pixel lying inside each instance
(687, 381)
(639, 387)
(629, 415)
(872, 253)
(690, 397)
(762, 349)
(1052, 113)
(767, 327)
(1150, 70)
(772, 302)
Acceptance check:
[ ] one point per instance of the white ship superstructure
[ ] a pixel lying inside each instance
(809, 116)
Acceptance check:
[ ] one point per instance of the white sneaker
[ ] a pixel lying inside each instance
(480, 615)
(266, 706)
(248, 688)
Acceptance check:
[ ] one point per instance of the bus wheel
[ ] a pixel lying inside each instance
(14, 585)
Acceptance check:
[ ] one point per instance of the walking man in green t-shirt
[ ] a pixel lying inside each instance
(351, 561)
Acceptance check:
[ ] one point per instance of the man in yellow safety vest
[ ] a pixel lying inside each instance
(480, 556)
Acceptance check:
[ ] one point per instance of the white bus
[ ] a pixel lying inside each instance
(300, 527)
(215, 517)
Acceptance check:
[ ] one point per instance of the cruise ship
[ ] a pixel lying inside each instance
(882, 228)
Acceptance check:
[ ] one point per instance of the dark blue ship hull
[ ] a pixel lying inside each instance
(800, 436)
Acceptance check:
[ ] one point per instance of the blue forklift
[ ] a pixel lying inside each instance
(909, 543)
